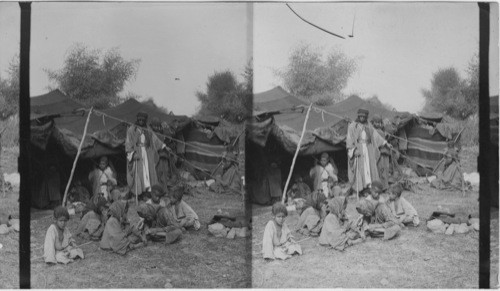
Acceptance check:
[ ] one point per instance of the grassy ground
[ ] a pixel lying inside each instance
(415, 259)
(9, 253)
(199, 260)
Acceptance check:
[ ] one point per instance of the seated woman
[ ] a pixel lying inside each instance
(103, 178)
(118, 236)
(337, 231)
(298, 190)
(321, 172)
(449, 176)
(182, 213)
(59, 246)
(401, 208)
(378, 220)
(277, 242)
(156, 228)
(228, 179)
(312, 214)
(92, 224)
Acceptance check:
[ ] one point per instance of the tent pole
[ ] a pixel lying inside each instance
(296, 153)
(76, 158)
(136, 179)
(357, 177)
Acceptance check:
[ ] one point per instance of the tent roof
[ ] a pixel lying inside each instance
(54, 102)
(321, 134)
(71, 126)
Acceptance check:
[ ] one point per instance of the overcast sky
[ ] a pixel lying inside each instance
(173, 40)
(399, 45)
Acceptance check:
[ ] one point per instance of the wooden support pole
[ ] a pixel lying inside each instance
(76, 158)
(296, 153)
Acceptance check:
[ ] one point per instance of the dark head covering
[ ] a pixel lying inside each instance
(117, 209)
(363, 111)
(366, 205)
(146, 210)
(142, 114)
(337, 206)
(96, 202)
(159, 189)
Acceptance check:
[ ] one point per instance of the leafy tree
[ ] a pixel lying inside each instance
(9, 90)
(452, 95)
(226, 97)
(92, 77)
(313, 77)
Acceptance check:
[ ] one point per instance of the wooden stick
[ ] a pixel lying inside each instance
(136, 195)
(357, 177)
(296, 154)
(76, 158)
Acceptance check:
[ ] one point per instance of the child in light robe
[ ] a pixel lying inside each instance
(118, 236)
(321, 173)
(102, 178)
(401, 208)
(59, 246)
(183, 214)
(277, 242)
(92, 224)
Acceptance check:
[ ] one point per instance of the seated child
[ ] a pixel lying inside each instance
(337, 231)
(93, 222)
(59, 246)
(312, 214)
(157, 192)
(157, 229)
(378, 220)
(278, 242)
(298, 190)
(375, 192)
(401, 208)
(182, 213)
(118, 236)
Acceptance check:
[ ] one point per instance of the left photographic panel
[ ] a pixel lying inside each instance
(9, 145)
(136, 153)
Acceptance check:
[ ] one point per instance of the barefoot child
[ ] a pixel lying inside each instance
(155, 226)
(278, 242)
(401, 208)
(118, 235)
(59, 246)
(92, 224)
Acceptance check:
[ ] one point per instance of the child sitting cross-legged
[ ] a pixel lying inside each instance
(92, 224)
(337, 231)
(157, 224)
(59, 246)
(182, 213)
(118, 236)
(401, 208)
(278, 242)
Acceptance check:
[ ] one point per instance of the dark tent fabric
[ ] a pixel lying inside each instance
(52, 103)
(326, 127)
(105, 132)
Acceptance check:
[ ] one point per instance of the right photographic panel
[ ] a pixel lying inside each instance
(362, 153)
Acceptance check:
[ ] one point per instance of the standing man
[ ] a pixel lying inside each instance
(142, 148)
(363, 143)
(383, 162)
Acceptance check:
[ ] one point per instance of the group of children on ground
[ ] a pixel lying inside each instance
(163, 218)
(324, 217)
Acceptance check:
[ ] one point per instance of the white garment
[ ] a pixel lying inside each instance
(365, 160)
(145, 164)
